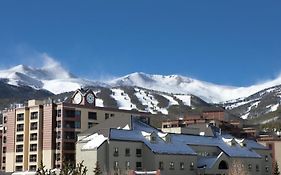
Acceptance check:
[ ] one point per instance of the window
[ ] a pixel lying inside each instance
(5, 119)
(58, 135)
(250, 167)
(127, 165)
(106, 116)
(4, 160)
(153, 139)
(138, 166)
(32, 158)
(58, 124)
(191, 166)
(33, 147)
(181, 166)
(77, 124)
(57, 157)
(72, 113)
(18, 168)
(92, 115)
(58, 113)
(161, 165)
(19, 148)
(58, 145)
(266, 158)
(111, 115)
(34, 115)
(172, 165)
(4, 149)
(116, 152)
(69, 135)
(20, 127)
(19, 158)
(20, 138)
(91, 124)
(127, 152)
(4, 139)
(33, 136)
(266, 169)
(115, 165)
(77, 113)
(257, 168)
(32, 168)
(20, 117)
(223, 165)
(33, 126)
(138, 152)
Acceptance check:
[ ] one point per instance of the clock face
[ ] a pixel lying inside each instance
(77, 98)
(90, 98)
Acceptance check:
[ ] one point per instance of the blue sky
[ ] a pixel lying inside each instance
(225, 42)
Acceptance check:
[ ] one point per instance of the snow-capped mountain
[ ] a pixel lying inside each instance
(179, 84)
(173, 89)
(261, 103)
(52, 78)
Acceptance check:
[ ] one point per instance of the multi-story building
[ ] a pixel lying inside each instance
(46, 131)
(273, 142)
(136, 146)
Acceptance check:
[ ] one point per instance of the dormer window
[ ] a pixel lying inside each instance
(153, 138)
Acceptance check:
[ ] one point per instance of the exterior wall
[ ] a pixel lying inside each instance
(206, 150)
(88, 161)
(102, 157)
(48, 137)
(187, 160)
(181, 130)
(275, 146)
(122, 158)
(9, 126)
(265, 161)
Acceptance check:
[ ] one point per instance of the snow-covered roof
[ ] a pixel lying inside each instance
(140, 132)
(93, 141)
(179, 142)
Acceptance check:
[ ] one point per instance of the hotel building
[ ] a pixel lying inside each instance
(136, 147)
(46, 131)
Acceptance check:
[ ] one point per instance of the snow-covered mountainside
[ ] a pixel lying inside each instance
(151, 92)
(52, 78)
(258, 104)
(179, 84)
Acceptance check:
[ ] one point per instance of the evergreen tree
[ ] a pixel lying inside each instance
(276, 169)
(43, 171)
(97, 169)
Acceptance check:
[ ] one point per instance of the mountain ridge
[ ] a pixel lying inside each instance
(242, 101)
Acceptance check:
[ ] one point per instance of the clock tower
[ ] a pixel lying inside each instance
(84, 97)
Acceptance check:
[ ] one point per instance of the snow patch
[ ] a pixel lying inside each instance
(148, 99)
(123, 99)
(94, 141)
(186, 99)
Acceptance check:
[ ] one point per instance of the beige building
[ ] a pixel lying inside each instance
(46, 131)
(134, 145)
(274, 144)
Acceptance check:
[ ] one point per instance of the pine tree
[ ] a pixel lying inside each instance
(276, 169)
(43, 171)
(97, 169)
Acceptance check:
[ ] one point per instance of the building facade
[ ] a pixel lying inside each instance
(46, 131)
(137, 146)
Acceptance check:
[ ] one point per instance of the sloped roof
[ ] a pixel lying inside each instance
(159, 146)
(179, 142)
